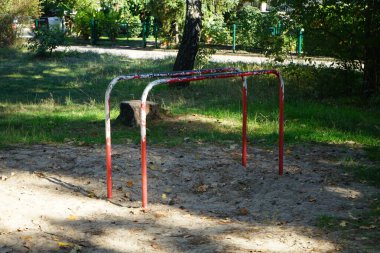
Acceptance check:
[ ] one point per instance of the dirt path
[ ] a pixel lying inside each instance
(226, 57)
(201, 199)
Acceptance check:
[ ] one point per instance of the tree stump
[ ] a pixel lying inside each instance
(130, 112)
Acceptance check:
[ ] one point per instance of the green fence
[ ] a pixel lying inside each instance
(147, 29)
(125, 29)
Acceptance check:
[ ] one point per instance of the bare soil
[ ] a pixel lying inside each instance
(53, 199)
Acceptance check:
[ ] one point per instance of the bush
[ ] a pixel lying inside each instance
(108, 24)
(7, 34)
(320, 82)
(267, 33)
(82, 22)
(215, 30)
(134, 27)
(46, 40)
(248, 21)
(10, 10)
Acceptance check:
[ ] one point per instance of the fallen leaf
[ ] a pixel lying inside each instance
(243, 211)
(153, 167)
(163, 196)
(65, 244)
(27, 238)
(201, 188)
(39, 174)
(312, 199)
(130, 184)
(72, 217)
(168, 190)
(91, 195)
(155, 245)
(343, 223)
(160, 214)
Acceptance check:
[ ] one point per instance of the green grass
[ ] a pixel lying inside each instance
(360, 232)
(364, 173)
(60, 99)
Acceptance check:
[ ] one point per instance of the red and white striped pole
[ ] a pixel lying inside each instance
(107, 107)
(281, 125)
(198, 78)
(244, 131)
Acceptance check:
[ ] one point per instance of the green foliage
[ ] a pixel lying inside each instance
(57, 7)
(82, 22)
(322, 82)
(7, 34)
(170, 14)
(327, 222)
(45, 41)
(203, 57)
(346, 30)
(134, 26)
(108, 24)
(12, 9)
(216, 31)
(369, 174)
(248, 20)
(263, 32)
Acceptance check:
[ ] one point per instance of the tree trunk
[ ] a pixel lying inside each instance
(190, 39)
(372, 49)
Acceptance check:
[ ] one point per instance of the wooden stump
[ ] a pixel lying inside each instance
(130, 112)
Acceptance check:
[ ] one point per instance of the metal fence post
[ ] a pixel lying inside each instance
(234, 38)
(155, 31)
(300, 41)
(144, 34)
(94, 32)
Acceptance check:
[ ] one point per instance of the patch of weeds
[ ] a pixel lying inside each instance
(360, 231)
(373, 153)
(369, 174)
(327, 222)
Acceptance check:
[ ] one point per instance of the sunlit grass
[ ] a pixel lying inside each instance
(60, 99)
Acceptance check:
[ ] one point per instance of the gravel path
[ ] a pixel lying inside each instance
(161, 54)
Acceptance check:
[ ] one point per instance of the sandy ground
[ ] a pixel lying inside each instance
(53, 199)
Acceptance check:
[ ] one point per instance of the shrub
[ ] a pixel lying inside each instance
(134, 27)
(82, 22)
(46, 40)
(10, 10)
(215, 30)
(108, 24)
(267, 33)
(7, 34)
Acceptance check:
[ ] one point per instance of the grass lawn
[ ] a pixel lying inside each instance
(61, 99)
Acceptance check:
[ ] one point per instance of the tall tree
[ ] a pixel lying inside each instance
(190, 39)
(372, 48)
(347, 30)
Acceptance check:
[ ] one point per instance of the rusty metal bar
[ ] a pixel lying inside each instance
(204, 77)
(107, 107)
